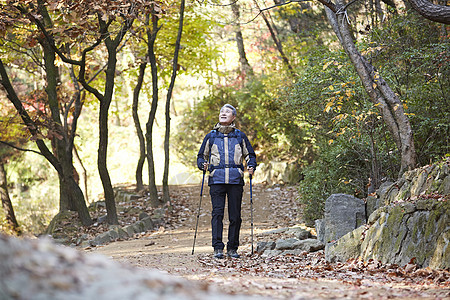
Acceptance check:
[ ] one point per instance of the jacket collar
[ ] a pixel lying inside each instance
(225, 129)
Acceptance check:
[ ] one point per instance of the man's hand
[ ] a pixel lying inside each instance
(250, 170)
(205, 166)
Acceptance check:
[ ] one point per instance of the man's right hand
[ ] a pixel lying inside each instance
(205, 166)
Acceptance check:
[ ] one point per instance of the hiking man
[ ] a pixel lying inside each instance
(222, 153)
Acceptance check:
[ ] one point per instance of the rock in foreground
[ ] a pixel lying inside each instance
(38, 269)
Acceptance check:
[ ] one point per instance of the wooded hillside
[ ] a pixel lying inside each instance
(96, 93)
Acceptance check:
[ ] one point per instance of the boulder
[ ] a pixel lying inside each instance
(408, 231)
(299, 233)
(343, 213)
(408, 221)
(320, 229)
(348, 246)
(309, 245)
(263, 246)
(282, 244)
(398, 234)
(38, 269)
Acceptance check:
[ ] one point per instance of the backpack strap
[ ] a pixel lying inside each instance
(212, 137)
(239, 136)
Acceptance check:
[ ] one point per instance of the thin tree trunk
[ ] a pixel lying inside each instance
(6, 201)
(103, 135)
(105, 102)
(83, 174)
(246, 69)
(153, 192)
(137, 124)
(166, 196)
(276, 41)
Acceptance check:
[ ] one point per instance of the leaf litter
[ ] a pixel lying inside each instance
(304, 276)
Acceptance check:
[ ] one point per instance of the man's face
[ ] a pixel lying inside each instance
(226, 116)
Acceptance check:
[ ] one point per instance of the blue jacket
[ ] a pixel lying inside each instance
(225, 154)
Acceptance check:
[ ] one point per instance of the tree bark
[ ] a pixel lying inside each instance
(379, 92)
(246, 69)
(151, 35)
(137, 124)
(67, 184)
(431, 11)
(103, 132)
(71, 196)
(166, 196)
(6, 201)
(83, 174)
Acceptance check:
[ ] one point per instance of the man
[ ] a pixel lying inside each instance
(222, 153)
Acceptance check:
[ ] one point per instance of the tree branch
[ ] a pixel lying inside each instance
(431, 11)
(21, 149)
(12, 96)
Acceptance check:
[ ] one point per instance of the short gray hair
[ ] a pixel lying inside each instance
(230, 107)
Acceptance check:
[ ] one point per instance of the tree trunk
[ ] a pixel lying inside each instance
(6, 201)
(166, 196)
(153, 192)
(105, 102)
(137, 124)
(103, 134)
(83, 174)
(246, 69)
(379, 93)
(61, 161)
(73, 197)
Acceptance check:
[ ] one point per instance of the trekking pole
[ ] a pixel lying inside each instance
(198, 214)
(251, 208)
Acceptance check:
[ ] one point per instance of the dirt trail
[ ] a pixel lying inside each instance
(169, 250)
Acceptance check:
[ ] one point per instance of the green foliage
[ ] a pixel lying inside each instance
(353, 144)
(413, 54)
(272, 134)
(325, 176)
(34, 192)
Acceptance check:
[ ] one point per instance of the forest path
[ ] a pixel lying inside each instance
(169, 250)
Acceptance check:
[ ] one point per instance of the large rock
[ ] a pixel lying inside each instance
(431, 179)
(420, 231)
(40, 270)
(409, 220)
(343, 213)
(348, 246)
(398, 234)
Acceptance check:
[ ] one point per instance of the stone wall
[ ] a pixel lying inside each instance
(409, 221)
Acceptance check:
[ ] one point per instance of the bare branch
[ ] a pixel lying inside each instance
(21, 149)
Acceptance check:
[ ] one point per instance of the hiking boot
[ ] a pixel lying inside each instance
(232, 253)
(218, 253)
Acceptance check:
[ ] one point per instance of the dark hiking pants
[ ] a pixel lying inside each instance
(218, 194)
